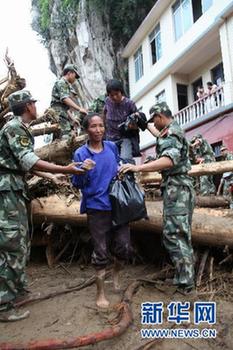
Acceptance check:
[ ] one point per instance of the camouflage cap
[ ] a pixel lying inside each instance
(72, 68)
(19, 98)
(159, 108)
(195, 137)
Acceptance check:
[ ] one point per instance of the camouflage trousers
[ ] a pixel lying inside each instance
(207, 185)
(14, 244)
(227, 192)
(177, 219)
(64, 123)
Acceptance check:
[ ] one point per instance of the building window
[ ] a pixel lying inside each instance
(183, 17)
(206, 4)
(200, 7)
(216, 148)
(138, 63)
(186, 12)
(155, 44)
(182, 96)
(161, 97)
(217, 74)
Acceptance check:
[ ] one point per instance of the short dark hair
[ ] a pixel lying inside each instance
(20, 109)
(209, 83)
(114, 85)
(88, 117)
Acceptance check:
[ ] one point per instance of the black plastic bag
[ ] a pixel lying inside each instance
(127, 200)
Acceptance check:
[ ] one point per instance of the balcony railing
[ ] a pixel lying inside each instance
(201, 107)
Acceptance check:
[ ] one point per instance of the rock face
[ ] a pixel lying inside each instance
(85, 42)
(90, 33)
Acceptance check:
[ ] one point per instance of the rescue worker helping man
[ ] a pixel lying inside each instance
(178, 195)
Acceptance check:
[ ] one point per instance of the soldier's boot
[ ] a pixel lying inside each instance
(101, 300)
(188, 291)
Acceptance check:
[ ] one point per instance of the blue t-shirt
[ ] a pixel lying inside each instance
(94, 184)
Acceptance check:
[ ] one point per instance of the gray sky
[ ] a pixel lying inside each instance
(29, 55)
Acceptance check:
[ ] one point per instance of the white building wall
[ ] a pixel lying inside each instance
(226, 39)
(172, 50)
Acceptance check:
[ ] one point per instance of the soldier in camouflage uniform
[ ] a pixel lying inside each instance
(97, 105)
(227, 178)
(16, 158)
(203, 153)
(62, 99)
(178, 194)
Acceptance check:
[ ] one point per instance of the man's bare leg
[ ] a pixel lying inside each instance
(116, 275)
(101, 300)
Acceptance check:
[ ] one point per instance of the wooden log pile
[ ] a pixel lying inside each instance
(212, 227)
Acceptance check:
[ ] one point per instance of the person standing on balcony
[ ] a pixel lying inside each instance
(172, 151)
(227, 178)
(200, 92)
(211, 92)
(203, 153)
(200, 96)
(211, 88)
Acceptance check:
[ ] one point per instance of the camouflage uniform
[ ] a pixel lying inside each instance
(205, 151)
(61, 90)
(98, 104)
(16, 158)
(227, 179)
(178, 201)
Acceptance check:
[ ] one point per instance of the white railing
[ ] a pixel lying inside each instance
(201, 107)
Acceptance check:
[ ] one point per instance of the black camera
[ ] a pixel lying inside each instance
(133, 122)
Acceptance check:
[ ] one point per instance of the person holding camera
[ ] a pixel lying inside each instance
(122, 121)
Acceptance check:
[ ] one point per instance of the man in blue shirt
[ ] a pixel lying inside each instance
(96, 203)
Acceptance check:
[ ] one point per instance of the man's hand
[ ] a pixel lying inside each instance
(88, 164)
(128, 167)
(82, 110)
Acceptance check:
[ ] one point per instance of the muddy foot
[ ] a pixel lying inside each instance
(102, 302)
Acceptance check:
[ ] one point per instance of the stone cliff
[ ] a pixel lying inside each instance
(90, 33)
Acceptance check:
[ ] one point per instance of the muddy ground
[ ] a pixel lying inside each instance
(75, 314)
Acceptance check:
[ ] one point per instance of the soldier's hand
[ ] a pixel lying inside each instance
(83, 110)
(74, 169)
(200, 160)
(128, 167)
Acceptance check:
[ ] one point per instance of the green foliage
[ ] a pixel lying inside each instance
(45, 14)
(61, 23)
(123, 16)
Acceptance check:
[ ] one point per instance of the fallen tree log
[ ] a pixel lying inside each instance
(60, 151)
(211, 202)
(200, 201)
(49, 116)
(210, 226)
(197, 170)
(54, 128)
